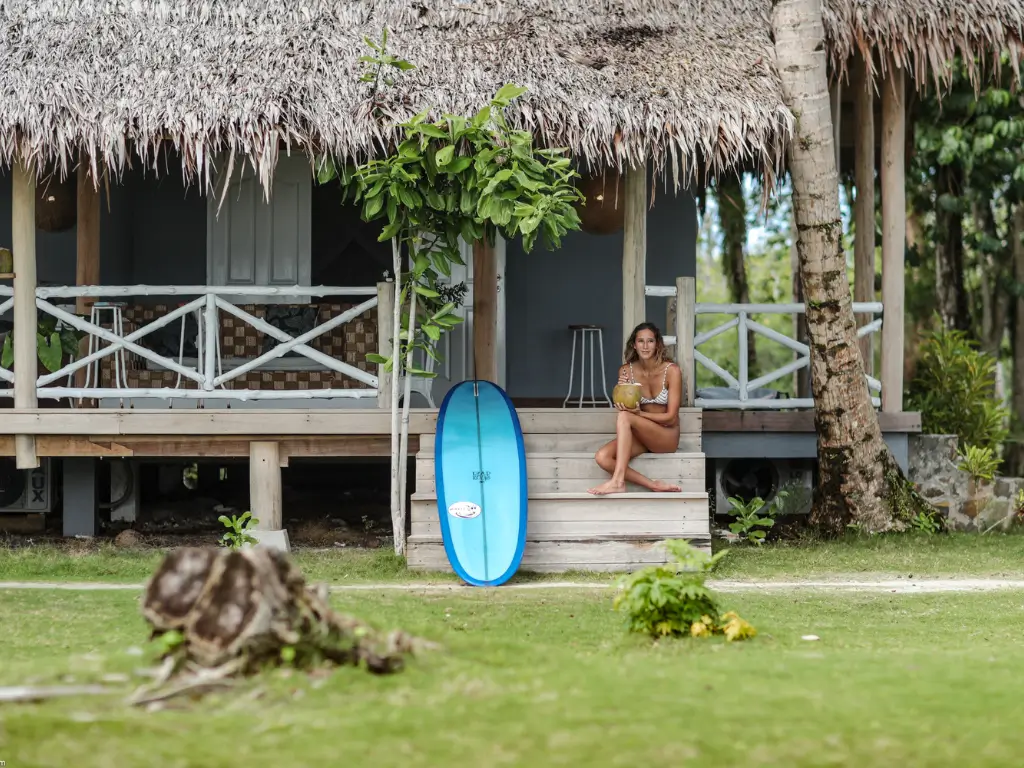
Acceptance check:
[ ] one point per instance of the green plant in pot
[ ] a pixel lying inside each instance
(54, 342)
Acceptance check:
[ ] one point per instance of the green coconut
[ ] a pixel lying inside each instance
(626, 395)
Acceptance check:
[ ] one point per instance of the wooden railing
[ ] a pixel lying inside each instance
(207, 374)
(687, 342)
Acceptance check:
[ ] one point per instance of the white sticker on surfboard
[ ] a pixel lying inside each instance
(464, 509)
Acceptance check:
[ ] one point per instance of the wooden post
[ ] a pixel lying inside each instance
(385, 332)
(26, 366)
(265, 485)
(485, 312)
(864, 207)
(670, 325)
(634, 251)
(87, 267)
(686, 306)
(87, 270)
(894, 226)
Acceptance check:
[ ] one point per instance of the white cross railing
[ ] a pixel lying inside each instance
(746, 390)
(207, 373)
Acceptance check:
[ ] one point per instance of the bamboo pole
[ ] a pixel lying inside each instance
(397, 521)
(485, 311)
(634, 250)
(26, 366)
(894, 226)
(385, 332)
(864, 243)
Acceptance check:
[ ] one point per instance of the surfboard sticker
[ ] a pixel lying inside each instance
(480, 466)
(467, 510)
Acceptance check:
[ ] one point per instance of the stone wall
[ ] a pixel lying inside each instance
(966, 504)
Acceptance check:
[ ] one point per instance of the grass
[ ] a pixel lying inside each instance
(948, 555)
(550, 678)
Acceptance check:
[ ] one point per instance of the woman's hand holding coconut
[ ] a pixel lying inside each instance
(647, 397)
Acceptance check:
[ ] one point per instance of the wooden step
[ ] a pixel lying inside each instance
(559, 556)
(577, 471)
(572, 442)
(591, 420)
(572, 515)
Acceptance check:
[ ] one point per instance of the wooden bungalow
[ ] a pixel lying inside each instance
(158, 164)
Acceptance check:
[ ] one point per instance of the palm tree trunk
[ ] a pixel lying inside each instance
(855, 466)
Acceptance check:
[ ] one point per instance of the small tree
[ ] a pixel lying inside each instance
(445, 179)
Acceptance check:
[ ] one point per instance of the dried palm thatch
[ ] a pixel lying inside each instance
(924, 36)
(687, 84)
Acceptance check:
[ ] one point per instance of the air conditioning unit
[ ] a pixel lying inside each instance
(746, 479)
(25, 490)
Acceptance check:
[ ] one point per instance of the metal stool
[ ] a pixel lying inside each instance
(117, 328)
(584, 332)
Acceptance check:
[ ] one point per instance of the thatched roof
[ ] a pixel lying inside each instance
(688, 84)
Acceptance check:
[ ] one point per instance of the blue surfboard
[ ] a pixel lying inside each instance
(480, 473)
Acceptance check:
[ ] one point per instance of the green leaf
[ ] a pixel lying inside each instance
(373, 206)
(373, 357)
(423, 291)
(7, 355)
(432, 331)
(49, 351)
(428, 129)
(508, 93)
(459, 164)
(444, 156)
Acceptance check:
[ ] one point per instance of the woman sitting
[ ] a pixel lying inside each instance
(651, 427)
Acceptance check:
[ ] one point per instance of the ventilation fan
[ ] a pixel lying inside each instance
(747, 479)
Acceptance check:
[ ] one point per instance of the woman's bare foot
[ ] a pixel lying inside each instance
(608, 488)
(661, 487)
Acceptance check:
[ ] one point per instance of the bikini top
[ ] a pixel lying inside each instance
(661, 398)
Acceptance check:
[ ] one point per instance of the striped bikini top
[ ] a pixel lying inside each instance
(662, 397)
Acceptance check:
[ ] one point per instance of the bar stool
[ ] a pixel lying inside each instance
(115, 309)
(584, 332)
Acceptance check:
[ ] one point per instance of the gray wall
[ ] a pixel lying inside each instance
(582, 283)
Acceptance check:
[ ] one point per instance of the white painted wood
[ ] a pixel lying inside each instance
(561, 556)
(424, 509)
(298, 343)
(239, 395)
(291, 292)
(547, 473)
(590, 420)
(666, 291)
(23, 247)
(265, 500)
(685, 319)
(870, 307)
(254, 241)
(572, 443)
(667, 529)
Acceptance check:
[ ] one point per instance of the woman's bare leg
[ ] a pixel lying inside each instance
(614, 459)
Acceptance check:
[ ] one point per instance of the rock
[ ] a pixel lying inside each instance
(128, 539)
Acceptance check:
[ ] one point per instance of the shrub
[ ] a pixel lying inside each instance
(954, 389)
(673, 600)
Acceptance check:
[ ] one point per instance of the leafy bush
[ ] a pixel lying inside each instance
(754, 516)
(954, 389)
(979, 463)
(236, 536)
(673, 600)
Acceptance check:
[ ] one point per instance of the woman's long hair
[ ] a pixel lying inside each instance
(660, 354)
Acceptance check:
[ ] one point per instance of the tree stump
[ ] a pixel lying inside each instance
(231, 612)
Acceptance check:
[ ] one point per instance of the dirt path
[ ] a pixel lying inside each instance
(838, 583)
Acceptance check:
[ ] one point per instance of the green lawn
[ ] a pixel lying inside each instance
(548, 677)
(857, 557)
